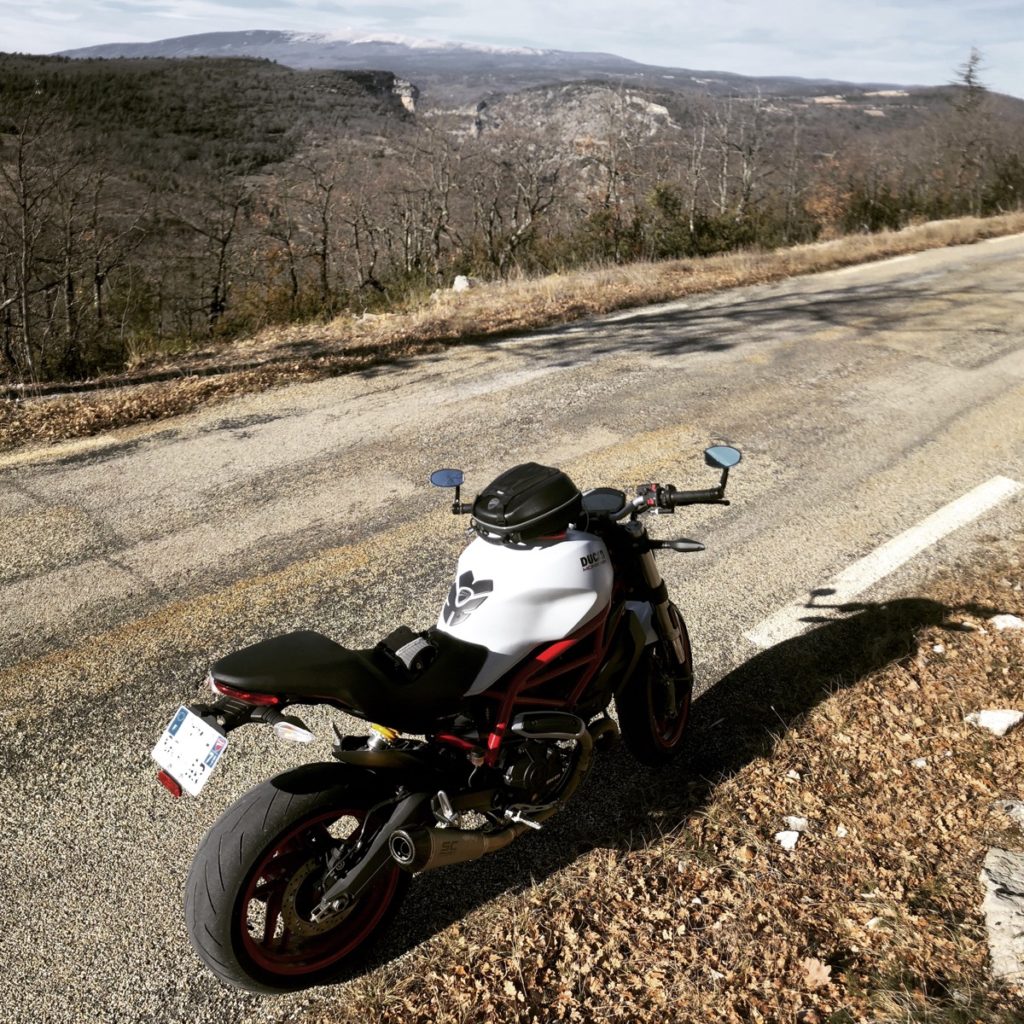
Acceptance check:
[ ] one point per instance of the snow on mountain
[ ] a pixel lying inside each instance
(412, 43)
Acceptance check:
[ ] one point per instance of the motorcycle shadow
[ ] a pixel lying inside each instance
(742, 717)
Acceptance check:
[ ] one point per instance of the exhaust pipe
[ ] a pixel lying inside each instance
(605, 733)
(424, 849)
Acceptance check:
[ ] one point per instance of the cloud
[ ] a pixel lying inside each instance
(396, 14)
(918, 41)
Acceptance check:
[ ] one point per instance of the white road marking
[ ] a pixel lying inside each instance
(787, 622)
(876, 263)
(640, 312)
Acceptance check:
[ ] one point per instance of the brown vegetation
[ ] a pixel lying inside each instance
(157, 390)
(690, 911)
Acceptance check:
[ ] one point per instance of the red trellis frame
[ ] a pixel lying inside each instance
(590, 642)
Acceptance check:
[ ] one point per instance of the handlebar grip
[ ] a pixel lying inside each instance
(708, 497)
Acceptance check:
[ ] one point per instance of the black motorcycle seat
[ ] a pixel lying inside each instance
(315, 670)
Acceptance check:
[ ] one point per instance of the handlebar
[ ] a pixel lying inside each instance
(665, 498)
(674, 499)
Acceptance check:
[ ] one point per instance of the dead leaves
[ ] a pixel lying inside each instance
(816, 974)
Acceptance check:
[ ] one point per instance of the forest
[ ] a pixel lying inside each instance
(151, 206)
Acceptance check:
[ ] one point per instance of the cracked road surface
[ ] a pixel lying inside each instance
(863, 400)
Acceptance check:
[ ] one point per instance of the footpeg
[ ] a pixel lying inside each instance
(516, 817)
(445, 814)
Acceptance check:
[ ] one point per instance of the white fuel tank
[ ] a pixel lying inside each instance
(510, 598)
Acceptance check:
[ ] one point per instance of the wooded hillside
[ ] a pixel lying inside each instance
(147, 206)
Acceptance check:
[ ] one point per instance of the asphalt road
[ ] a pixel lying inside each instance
(863, 400)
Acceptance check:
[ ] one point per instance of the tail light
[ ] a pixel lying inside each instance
(260, 699)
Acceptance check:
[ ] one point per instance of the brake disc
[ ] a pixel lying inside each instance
(293, 918)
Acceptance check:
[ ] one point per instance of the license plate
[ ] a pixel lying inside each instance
(189, 750)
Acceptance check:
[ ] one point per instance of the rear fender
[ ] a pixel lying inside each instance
(321, 775)
(388, 761)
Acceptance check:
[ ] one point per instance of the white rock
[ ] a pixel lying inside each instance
(841, 831)
(1003, 906)
(938, 649)
(796, 824)
(1007, 622)
(919, 762)
(875, 922)
(1014, 808)
(788, 839)
(998, 721)
(793, 774)
(463, 283)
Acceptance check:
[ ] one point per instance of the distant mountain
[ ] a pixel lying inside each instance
(323, 50)
(458, 70)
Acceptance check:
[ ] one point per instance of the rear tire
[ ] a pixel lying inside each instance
(253, 883)
(654, 734)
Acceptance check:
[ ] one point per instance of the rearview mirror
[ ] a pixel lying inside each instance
(447, 478)
(722, 456)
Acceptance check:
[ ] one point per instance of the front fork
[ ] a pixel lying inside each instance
(668, 628)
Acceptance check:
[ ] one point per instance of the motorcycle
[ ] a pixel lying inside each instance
(557, 610)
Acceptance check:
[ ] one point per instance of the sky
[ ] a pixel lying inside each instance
(913, 42)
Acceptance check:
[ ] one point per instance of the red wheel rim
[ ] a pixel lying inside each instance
(273, 913)
(668, 729)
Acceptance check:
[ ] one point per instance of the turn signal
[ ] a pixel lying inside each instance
(293, 731)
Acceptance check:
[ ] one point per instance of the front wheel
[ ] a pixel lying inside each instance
(255, 880)
(654, 707)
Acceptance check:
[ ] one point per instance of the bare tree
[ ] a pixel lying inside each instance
(213, 214)
(36, 166)
(280, 225)
(515, 182)
(317, 196)
(972, 131)
(695, 169)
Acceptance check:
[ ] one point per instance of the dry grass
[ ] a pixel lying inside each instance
(690, 911)
(157, 390)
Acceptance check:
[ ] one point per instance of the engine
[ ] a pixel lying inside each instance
(535, 768)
